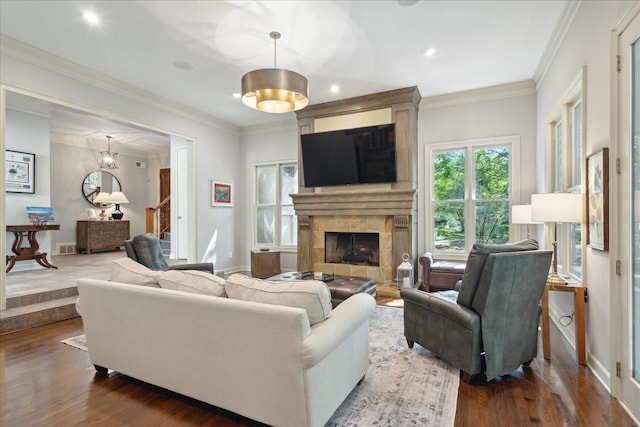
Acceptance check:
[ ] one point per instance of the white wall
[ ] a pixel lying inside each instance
(70, 165)
(512, 115)
(265, 144)
(217, 144)
(587, 43)
(29, 133)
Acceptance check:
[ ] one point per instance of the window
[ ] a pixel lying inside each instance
(276, 222)
(566, 164)
(472, 185)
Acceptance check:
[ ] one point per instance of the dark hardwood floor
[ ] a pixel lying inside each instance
(47, 383)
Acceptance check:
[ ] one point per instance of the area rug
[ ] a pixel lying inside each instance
(78, 342)
(403, 387)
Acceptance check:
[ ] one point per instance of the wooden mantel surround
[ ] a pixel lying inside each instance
(384, 205)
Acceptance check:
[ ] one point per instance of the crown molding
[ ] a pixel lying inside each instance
(559, 32)
(283, 126)
(32, 55)
(492, 93)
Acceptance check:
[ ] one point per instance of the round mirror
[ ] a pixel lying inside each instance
(98, 181)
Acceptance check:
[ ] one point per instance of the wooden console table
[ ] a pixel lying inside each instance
(24, 253)
(579, 299)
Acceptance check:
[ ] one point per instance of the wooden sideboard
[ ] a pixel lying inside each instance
(101, 235)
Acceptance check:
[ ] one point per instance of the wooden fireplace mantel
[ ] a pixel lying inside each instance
(398, 204)
(391, 202)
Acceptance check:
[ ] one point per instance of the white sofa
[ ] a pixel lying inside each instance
(262, 361)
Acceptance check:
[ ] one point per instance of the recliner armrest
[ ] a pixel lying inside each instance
(201, 266)
(453, 311)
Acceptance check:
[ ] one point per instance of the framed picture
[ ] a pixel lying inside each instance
(598, 200)
(20, 172)
(39, 215)
(221, 193)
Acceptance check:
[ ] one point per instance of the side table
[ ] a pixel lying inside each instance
(24, 253)
(265, 263)
(579, 299)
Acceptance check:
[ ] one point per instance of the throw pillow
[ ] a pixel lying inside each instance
(126, 270)
(475, 265)
(198, 282)
(312, 295)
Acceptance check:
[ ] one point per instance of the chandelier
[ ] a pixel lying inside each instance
(274, 90)
(108, 158)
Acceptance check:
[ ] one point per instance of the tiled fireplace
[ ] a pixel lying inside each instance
(387, 214)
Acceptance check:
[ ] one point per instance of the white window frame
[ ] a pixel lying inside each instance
(278, 206)
(563, 112)
(513, 142)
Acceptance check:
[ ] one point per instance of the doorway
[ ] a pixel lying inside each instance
(165, 210)
(46, 105)
(626, 255)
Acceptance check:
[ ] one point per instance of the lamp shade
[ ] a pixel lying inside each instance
(118, 197)
(521, 214)
(556, 207)
(274, 90)
(102, 198)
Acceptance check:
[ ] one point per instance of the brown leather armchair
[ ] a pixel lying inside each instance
(440, 275)
(491, 325)
(145, 249)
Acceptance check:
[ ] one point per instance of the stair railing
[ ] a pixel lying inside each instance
(156, 217)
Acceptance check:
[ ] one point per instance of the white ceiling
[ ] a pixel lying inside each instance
(363, 46)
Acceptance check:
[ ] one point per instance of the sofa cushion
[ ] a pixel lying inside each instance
(312, 295)
(126, 270)
(198, 282)
(475, 265)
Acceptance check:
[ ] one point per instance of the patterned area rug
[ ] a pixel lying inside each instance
(403, 387)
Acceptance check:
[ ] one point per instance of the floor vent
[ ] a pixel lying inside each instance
(66, 248)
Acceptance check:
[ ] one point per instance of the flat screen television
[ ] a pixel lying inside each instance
(350, 156)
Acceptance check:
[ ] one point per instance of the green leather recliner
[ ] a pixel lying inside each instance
(145, 249)
(491, 324)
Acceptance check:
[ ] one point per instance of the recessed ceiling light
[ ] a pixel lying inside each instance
(91, 17)
(429, 52)
(334, 88)
(236, 95)
(183, 65)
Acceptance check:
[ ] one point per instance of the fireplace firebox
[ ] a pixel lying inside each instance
(352, 248)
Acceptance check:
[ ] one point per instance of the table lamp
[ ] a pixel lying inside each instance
(521, 214)
(118, 197)
(102, 199)
(555, 208)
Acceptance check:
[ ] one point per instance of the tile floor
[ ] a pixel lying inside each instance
(70, 269)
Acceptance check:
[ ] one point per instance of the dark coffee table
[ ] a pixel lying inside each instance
(341, 287)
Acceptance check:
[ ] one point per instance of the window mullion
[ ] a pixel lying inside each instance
(470, 199)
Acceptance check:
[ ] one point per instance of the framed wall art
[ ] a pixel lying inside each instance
(221, 193)
(20, 172)
(598, 200)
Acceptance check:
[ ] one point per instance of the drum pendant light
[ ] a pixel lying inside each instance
(274, 90)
